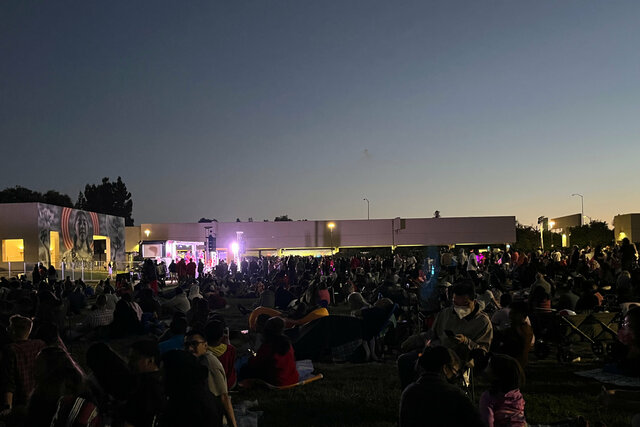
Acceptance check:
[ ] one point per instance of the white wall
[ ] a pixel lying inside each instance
(346, 233)
(20, 221)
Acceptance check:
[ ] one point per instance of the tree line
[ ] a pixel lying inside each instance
(111, 198)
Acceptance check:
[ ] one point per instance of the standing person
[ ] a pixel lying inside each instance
(196, 344)
(52, 274)
(35, 275)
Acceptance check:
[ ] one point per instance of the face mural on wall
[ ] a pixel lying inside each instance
(77, 229)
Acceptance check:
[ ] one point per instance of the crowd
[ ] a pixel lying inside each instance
(480, 312)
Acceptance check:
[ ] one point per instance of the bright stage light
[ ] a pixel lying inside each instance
(235, 248)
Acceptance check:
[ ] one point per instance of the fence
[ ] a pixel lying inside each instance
(88, 271)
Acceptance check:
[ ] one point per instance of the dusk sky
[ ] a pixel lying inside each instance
(226, 109)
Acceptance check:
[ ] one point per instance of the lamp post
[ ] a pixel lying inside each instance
(581, 207)
(367, 200)
(331, 225)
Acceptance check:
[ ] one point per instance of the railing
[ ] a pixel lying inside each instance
(85, 270)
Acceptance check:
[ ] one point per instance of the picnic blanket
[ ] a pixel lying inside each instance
(609, 378)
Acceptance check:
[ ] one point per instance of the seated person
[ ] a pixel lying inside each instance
(274, 362)
(173, 338)
(432, 400)
(218, 343)
(179, 303)
(463, 328)
(500, 319)
(626, 352)
(517, 340)
(99, 316)
(503, 405)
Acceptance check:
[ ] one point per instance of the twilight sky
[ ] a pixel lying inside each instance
(256, 108)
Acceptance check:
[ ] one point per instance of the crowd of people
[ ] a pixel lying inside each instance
(445, 320)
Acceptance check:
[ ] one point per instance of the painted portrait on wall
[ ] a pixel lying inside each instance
(78, 228)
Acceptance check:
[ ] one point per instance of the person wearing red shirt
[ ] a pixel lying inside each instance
(275, 361)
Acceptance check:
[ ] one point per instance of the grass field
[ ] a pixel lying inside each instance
(369, 394)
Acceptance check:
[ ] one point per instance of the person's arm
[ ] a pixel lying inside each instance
(481, 341)
(228, 409)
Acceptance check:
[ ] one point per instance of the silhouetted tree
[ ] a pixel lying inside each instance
(204, 220)
(20, 194)
(436, 214)
(594, 233)
(110, 198)
(283, 218)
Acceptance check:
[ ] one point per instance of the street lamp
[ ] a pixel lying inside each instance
(331, 225)
(582, 207)
(147, 232)
(367, 200)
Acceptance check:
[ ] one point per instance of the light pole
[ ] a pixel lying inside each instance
(582, 207)
(331, 225)
(367, 200)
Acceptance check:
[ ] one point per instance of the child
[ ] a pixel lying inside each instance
(503, 404)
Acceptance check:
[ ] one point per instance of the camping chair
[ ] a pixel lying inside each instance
(252, 382)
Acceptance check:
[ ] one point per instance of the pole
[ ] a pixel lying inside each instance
(367, 200)
(331, 238)
(581, 207)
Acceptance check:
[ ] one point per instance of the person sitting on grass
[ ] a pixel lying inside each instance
(432, 400)
(503, 405)
(220, 346)
(196, 344)
(626, 352)
(517, 340)
(274, 362)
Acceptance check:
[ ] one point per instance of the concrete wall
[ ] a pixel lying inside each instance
(20, 221)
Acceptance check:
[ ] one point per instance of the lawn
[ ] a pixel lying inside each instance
(369, 394)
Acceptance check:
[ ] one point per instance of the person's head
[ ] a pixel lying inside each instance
(518, 312)
(464, 294)
(19, 327)
(505, 374)
(178, 324)
(356, 301)
(195, 343)
(437, 360)
(55, 366)
(214, 331)
(101, 302)
(505, 300)
(184, 374)
(144, 356)
(274, 326)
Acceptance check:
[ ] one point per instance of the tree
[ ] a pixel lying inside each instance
(594, 233)
(436, 214)
(283, 218)
(110, 198)
(527, 237)
(20, 194)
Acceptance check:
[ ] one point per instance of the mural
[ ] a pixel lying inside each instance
(77, 229)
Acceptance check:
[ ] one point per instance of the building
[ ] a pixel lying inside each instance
(563, 224)
(627, 225)
(313, 237)
(38, 232)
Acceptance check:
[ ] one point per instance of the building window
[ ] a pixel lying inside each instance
(13, 250)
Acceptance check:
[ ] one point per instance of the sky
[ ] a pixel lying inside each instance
(256, 108)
